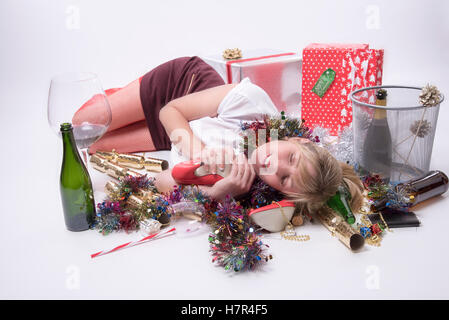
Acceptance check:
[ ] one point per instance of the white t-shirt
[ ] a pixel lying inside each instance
(245, 102)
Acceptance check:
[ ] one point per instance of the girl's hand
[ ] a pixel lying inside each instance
(216, 158)
(238, 182)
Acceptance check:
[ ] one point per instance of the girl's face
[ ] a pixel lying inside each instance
(277, 163)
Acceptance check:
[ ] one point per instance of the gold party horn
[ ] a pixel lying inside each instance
(133, 173)
(98, 162)
(108, 155)
(135, 161)
(113, 190)
(155, 165)
(115, 170)
(146, 195)
(339, 227)
(111, 187)
(135, 202)
(123, 159)
(130, 160)
(112, 169)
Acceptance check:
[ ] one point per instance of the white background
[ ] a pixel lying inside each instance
(121, 40)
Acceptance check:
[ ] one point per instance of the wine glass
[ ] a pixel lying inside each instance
(78, 98)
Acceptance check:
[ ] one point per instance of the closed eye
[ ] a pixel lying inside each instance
(283, 180)
(296, 159)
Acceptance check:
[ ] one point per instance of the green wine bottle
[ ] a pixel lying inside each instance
(75, 185)
(340, 203)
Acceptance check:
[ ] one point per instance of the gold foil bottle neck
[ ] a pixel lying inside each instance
(380, 114)
(381, 97)
(381, 100)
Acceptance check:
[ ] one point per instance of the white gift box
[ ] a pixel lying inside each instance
(277, 72)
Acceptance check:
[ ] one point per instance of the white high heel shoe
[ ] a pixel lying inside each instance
(273, 217)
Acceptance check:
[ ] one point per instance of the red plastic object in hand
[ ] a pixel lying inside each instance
(187, 173)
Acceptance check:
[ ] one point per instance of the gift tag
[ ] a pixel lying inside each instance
(324, 82)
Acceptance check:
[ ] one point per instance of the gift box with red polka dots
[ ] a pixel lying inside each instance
(355, 66)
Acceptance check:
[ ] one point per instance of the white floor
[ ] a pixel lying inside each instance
(40, 259)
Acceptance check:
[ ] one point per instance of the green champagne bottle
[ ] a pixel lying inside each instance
(340, 203)
(75, 185)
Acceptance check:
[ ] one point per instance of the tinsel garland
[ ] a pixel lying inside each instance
(234, 243)
(259, 195)
(132, 185)
(116, 214)
(282, 127)
(380, 190)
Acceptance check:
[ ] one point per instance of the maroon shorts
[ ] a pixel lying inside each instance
(171, 80)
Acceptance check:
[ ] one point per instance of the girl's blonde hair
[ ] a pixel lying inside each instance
(320, 176)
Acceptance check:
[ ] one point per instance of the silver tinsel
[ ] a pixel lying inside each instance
(344, 148)
(341, 147)
(430, 96)
(323, 135)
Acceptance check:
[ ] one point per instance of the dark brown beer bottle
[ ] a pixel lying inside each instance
(427, 186)
(418, 190)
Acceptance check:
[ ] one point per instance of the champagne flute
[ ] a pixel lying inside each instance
(78, 98)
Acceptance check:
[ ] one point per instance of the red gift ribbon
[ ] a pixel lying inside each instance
(230, 62)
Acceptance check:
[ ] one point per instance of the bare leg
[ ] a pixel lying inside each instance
(164, 181)
(132, 138)
(126, 108)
